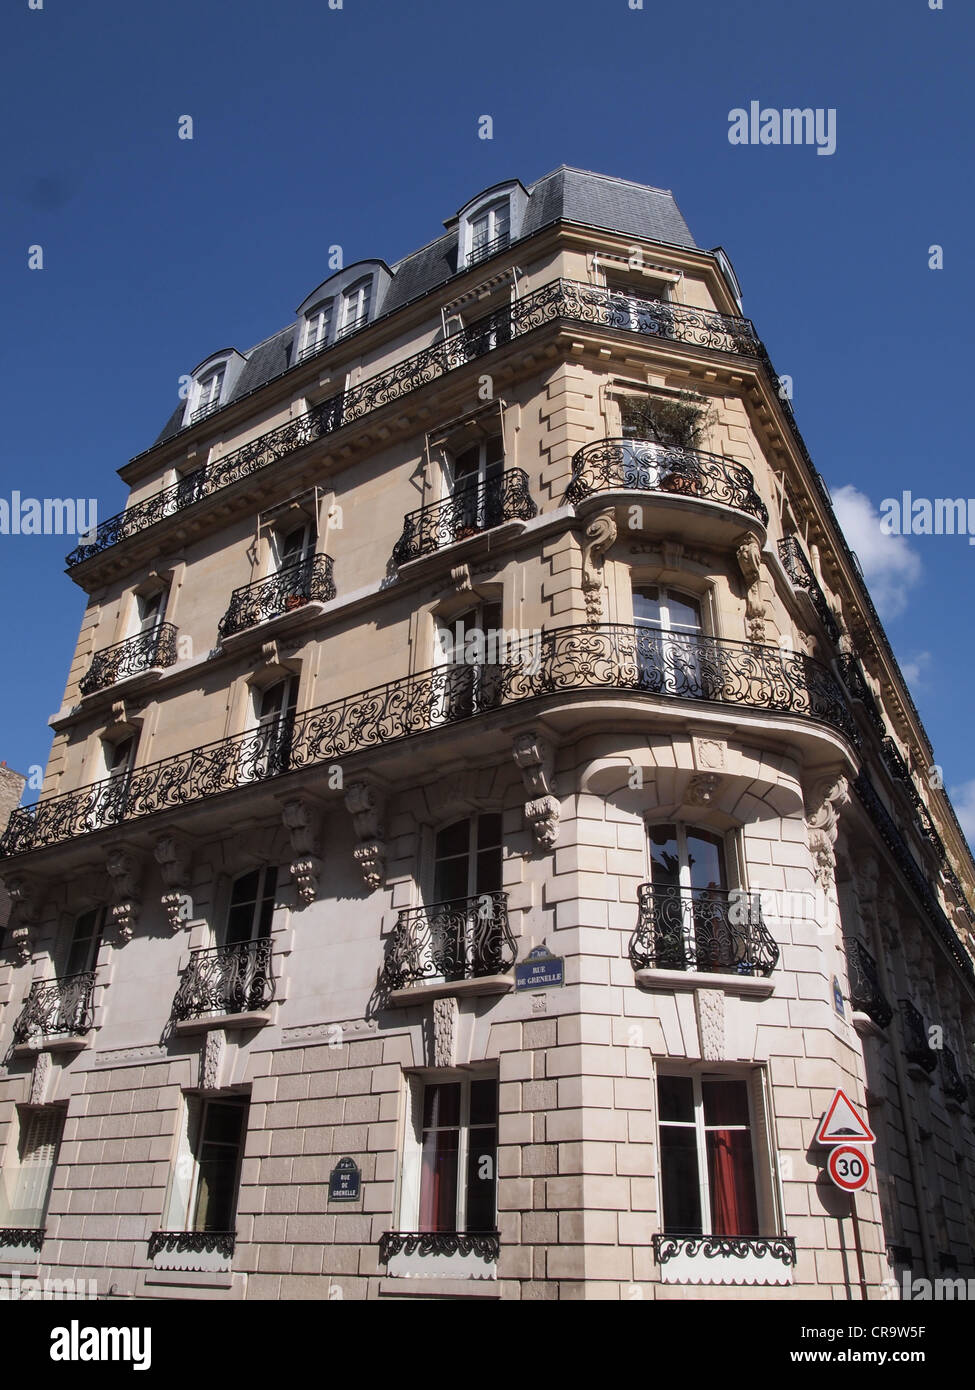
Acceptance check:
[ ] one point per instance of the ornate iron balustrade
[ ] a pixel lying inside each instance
(866, 994)
(470, 509)
(202, 411)
(668, 1247)
(130, 658)
(488, 249)
(641, 465)
(459, 940)
(193, 1243)
(917, 1049)
(485, 1245)
(912, 871)
(704, 929)
(800, 573)
(900, 772)
(291, 588)
(856, 683)
(29, 1237)
(226, 980)
(559, 299)
(612, 657)
(959, 892)
(57, 1006)
(952, 1083)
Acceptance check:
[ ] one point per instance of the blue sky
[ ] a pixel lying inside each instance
(358, 126)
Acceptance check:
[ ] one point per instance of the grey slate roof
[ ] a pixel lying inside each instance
(572, 195)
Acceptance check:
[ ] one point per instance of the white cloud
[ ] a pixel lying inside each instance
(915, 668)
(890, 566)
(963, 800)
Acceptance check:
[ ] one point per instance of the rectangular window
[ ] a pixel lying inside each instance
(355, 306)
(204, 1189)
(86, 938)
(25, 1193)
(450, 1177)
(707, 1163)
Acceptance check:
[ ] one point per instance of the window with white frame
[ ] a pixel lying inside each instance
(25, 1189)
(707, 1157)
(208, 392)
(355, 306)
(489, 231)
(669, 630)
(251, 906)
(470, 649)
(268, 750)
(318, 327)
(450, 1159)
(203, 1192)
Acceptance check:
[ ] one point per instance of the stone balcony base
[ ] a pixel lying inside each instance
(755, 985)
(423, 993)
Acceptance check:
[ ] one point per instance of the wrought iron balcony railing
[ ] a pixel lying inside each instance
(291, 588)
(800, 573)
(460, 940)
(558, 300)
(701, 929)
(226, 980)
(193, 1243)
(911, 869)
(667, 1246)
(917, 1049)
(866, 994)
(202, 411)
(470, 509)
(144, 652)
(57, 1006)
(856, 683)
(487, 249)
(615, 657)
(952, 1083)
(485, 1245)
(641, 465)
(900, 772)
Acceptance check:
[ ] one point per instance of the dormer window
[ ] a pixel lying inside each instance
(355, 307)
(208, 393)
(318, 327)
(490, 231)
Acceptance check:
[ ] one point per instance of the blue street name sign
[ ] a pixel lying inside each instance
(344, 1181)
(540, 970)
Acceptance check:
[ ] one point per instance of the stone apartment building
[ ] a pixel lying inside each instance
(486, 820)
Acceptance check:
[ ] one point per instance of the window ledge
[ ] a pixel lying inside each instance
(51, 1042)
(423, 993)
(865, 1025)
(256, 1019)
(711, 1259)
(756, 985)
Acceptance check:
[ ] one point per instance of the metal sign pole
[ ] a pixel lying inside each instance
(859, 1247)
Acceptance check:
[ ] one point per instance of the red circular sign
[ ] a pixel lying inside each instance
(848, 1167)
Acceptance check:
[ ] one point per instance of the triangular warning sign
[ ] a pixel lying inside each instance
(843, 1123)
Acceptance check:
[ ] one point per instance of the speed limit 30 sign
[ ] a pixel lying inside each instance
(848, 1167)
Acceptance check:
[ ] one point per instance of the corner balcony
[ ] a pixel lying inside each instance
(309, 581)
(866, 994)
(225, 986)
(463, 946)
(557, 670)
(148, 651)
(642, 465)
(469, 511)
(558, 301)
(56, 1013)
(700, 931)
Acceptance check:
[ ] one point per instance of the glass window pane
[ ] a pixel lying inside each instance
(484, 1102)
(725, 1102)
(675, 1096)
(664, 859)
(481, 1172)
(684, 613)
(438, 1180)
(705, 853)
(731, 1178)
(441, 1104)
(453, 839)
(646, 607)
(679, 1180)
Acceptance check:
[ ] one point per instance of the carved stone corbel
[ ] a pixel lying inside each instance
(600, 535)
(534, 759)
(40, 1079)
(173, 854)
(211, 1059)
(444, 1031)
(300, 820)
(366, 805)
(829, 795)
(460, 577)
(125, 868)
(702, 789)
(749, 556)
(26, 899)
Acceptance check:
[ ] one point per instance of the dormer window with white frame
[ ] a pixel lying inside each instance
(208, 394)
(318, 327)
(355, 306)
(490, 231)
(212, 383)
(489, 222)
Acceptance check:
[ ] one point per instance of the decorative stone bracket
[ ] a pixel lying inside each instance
(299, 817)
(600, 535)
(443, 1031)
(829, 795)
(749, 555)
(26, 898)
(534, 758)
(125, 868)
(173, 854)
(366, 805)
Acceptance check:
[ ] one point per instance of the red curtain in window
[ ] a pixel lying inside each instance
(734, 1210)
(438, 1182)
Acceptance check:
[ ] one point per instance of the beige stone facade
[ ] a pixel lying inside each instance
(324, 725)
